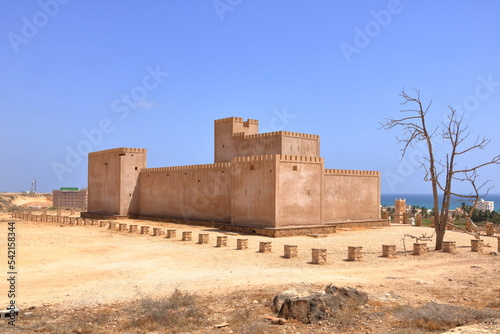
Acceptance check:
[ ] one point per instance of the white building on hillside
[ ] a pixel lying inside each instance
(485, 205)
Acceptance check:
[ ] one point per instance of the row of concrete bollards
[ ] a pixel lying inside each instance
(319, 256)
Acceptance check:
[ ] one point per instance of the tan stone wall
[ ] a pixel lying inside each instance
(351, 195)
(299, 191)
(235, 137)
(224, 129)
(112, 180)
(251, 188)
(189, 192)
(253, 191)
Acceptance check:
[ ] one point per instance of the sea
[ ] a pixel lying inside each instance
(423, 200)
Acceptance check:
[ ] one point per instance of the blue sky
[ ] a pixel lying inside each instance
(81, 76)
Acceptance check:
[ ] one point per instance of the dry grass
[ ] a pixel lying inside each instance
(248, 321)
(434, 317)
(178, 311)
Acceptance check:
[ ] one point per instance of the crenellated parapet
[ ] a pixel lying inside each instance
(236, 119)
(119, 150)
(188, 167)
(275, 134)
(352, 172)
(300, 158)
(278, 157)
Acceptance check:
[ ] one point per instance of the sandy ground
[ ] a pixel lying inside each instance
(74, 266)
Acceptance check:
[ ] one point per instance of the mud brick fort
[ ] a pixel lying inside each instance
(257, 183)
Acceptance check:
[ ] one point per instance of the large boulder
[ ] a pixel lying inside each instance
(354, 296)
(279, 299)
(319, 306)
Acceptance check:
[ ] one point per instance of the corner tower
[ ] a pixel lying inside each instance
(224, 131)
(113, 180)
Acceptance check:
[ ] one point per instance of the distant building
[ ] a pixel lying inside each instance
(485, 205)
(70, 198)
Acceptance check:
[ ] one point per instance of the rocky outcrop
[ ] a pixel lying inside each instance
(317, 306)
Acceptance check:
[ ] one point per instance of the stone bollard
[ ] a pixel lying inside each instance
(419, 248)
(498, 244)
(111, 225)
(132, 228)
(477, 245)
(418, 219)
(78, 221)
(157, 231)
(187, 236)
(432, 222)
(388, 250)
(405, 217)
(291, 251)
(66, 220)
(354, 253)
(265, 247)
(144, 229)
(102, 223)
(490, 229)
(122, 227)
(92, 222)
(221, 241)
(318, 256)
(171, 234)
(243, 244)
(203, 238)
(72, 212)
(449, 246)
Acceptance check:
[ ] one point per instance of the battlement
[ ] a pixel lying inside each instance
(119, 150)
(300, 135)
(237, 119)
(254, 158)
(188, 167)
(351, 172)
(276, 133)
(300, 158)
(279, 157)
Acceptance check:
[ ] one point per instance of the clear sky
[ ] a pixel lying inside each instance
(79, 76)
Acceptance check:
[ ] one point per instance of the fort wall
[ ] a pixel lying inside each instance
(235, 137)
(112, 180)
(253, 190)
(263, 181)
(187, 192)
(351, 195)
(299, 191)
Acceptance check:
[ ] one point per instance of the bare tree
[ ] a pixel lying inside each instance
(441, 172)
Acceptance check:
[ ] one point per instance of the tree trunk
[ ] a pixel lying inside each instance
(440, 235)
